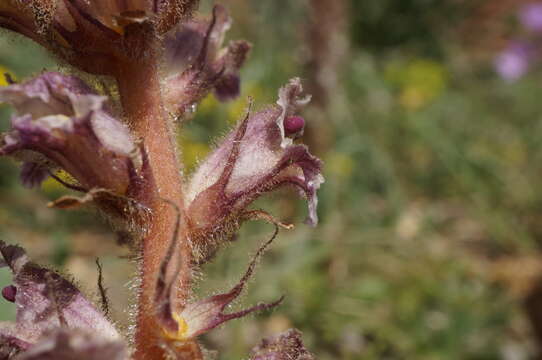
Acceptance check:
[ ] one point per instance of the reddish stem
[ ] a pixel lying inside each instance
(140, 93)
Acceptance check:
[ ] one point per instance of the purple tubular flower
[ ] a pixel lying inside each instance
(530, 16)
(62, 123)
(514, 61)
(255, 158)
(197, 65)
(191, 320)
(47, 303)
(285, 346)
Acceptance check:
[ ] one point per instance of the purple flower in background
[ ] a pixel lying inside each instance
(530, 16)
(514, 61)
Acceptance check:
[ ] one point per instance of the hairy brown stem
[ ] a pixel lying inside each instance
(140, 93)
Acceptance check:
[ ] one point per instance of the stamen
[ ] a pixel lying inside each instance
(9, 292)
(293, 124)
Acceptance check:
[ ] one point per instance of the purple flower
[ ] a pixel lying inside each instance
(530, 16)
(52, 311)
(514, 61)
(60, 123)
(197, 64)
(258, 156)
(285, 346)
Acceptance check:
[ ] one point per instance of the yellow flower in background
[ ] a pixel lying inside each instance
(420, 82)
(3, 80)
(339, 164)
(193, 152)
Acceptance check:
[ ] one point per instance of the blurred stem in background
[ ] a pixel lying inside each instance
(327, 41)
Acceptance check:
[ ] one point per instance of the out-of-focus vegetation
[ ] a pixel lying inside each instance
(429, 245)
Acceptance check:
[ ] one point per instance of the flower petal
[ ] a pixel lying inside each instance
(46, 301)
(62, 121)
(47, 94)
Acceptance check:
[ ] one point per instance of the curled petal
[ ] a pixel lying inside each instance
(46, 301)
(202, 316)
(255, 158)
(290, 101)
(47, 94)
(285, 346)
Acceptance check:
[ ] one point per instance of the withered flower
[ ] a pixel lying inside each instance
(97, 36)
(184, 322)
(256, 157)
(196, 63)
(285, 346)
(52, 315)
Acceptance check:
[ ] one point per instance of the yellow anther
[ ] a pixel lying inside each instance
(182, 329)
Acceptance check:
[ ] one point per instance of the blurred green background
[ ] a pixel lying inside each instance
(429, 245)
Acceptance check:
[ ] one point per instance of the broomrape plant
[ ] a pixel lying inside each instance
(121, 156)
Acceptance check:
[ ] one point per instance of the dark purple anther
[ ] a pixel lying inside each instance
(9, 293)
(293, 124)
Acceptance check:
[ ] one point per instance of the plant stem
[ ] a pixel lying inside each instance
(139, 89)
